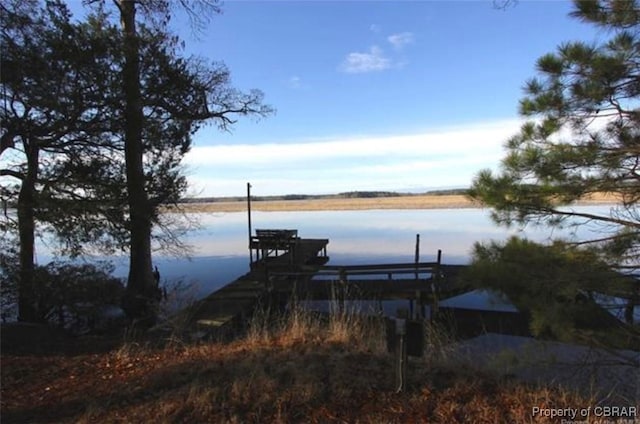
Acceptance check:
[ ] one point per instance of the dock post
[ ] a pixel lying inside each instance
(401, 350)
(435, 286)
(343, 289)
(417, 255)
(249, 221)
(416, 276)
(419, 305)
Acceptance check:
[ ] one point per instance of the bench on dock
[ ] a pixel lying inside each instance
(268, 242)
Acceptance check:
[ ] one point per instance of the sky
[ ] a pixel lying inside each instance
(370, 95)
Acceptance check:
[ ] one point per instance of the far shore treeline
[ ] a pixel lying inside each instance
(343, 195)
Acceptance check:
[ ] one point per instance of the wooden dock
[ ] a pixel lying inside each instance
(230, 306)
(374, 281)
(284, 266)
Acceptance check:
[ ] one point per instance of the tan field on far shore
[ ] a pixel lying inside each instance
(426, 201)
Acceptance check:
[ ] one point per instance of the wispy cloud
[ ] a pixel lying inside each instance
(401, 39)
(376, 59)
(449, 157)
(295, 82)
(371, 61)
(375, 28)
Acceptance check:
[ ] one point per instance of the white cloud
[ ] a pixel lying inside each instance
(439, 158)
(457, 141)
(375, 28)
(401, 39)
(295, 82)
(373, 60)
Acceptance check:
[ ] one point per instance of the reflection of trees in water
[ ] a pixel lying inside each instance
(557, 285)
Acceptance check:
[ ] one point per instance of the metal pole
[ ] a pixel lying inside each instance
(417, 274)
(417, 255)
(249, 220)
(401, 350)
(435, 286)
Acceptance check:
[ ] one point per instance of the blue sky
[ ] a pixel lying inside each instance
(370, 95)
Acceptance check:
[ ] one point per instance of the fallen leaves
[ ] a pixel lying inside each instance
(268, 382)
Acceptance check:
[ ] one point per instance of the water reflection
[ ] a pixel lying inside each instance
(485, 300)
(220, 244)
(378, 232)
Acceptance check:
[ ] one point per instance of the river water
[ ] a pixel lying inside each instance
(220, 254)
(219, 250)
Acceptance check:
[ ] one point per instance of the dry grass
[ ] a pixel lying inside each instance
(400, 202)
(300, 368)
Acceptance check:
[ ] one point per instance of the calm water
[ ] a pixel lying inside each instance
(220, 245)
(220, 254)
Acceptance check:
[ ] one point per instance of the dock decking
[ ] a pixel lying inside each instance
(287, 265)
(234, 302)
(377, 281)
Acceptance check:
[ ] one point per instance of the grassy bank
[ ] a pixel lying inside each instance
(303, 369)
(427, 201)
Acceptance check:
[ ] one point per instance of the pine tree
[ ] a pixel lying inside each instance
(582, 137)
(64, 133)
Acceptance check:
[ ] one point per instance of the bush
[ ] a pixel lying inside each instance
(8, 283)
(556, 286)
(78, 297)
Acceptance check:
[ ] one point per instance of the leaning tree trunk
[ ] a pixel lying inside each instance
(27, 293)
(139, 295)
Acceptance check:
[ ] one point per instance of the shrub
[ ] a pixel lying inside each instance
(78, 297)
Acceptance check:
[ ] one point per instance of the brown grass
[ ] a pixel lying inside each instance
(303, 369)
(400, 202)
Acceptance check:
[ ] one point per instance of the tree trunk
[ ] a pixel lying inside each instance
(27, 296)
(139, 296)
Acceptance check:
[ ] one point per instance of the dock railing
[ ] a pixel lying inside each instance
(421, 271)
(421, 283)
(272, 242)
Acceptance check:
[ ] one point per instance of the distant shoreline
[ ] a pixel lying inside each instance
(427, 201)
